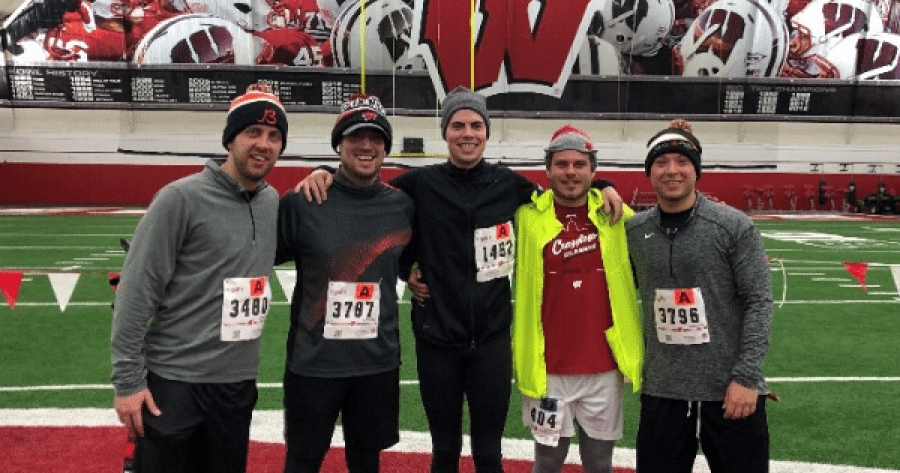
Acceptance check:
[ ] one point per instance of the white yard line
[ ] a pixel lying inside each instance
(813, 379)
(268, 427)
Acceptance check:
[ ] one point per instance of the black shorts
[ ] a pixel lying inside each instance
(369, 407)
(668, 434)
(202, 428)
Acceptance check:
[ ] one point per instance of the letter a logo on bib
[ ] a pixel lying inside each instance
(503, 231)
(365, 291)
(684, 297)
(257, 287)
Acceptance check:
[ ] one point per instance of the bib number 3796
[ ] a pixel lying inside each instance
(681, 316)
(245, 306)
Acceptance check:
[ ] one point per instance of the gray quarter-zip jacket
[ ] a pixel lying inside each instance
(720, 251)
(198, 231)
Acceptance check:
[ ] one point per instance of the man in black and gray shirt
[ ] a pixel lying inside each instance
(343, 348)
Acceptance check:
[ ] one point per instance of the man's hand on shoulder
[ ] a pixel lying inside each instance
(612, 204)
(315, 185)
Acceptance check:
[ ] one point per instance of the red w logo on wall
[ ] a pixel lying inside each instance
(519, 45)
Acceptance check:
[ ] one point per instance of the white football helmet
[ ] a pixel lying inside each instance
(329, 10)
(636, 27)
(883, 9)
(107, 9)
(860, 56)
(823, 23)
(597, 57)
(134, 10)
(198, 39)
(252, 15)
(734, 38)
(388, 25)
(892, 25)
(838, 62)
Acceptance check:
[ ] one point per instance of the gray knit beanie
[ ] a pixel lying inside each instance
(463, 98)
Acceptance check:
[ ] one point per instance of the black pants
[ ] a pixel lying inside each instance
(480, 375)
(203, 428)
(668, 437)
(369, 407)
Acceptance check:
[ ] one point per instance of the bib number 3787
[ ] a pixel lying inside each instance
(354, 309)
(245, 306)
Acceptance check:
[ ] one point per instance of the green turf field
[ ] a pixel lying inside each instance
(833, 357)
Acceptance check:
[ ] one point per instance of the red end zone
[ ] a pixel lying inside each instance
(101, 450)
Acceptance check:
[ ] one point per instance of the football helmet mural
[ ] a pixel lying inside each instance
(859, 56)
(597, 57)
(824, 37)
(388, 24)
(199, 39)
(252, 15)
(133, 10)
(794, 7)
(734, 38)
(329, 10)
(636, 27)
(822, 23)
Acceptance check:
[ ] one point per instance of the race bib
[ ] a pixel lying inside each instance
(495, 251)
(681, 316)
(245, 306)
(353, 309)
(544, 418)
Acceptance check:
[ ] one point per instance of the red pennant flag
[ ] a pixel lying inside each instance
(9, 285)
(858, 270)
(114, 281)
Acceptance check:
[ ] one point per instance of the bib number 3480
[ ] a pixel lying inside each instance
(245, 306)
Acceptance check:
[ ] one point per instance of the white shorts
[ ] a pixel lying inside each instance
(594, 400)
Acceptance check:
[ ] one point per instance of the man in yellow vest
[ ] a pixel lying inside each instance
(577, 329)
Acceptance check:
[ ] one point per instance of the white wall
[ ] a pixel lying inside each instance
(114, 136)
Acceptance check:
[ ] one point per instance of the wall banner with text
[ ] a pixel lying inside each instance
(803, 60)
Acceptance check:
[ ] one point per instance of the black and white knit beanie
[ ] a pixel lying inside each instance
(358, 112)
(257, 106)
(677, 138)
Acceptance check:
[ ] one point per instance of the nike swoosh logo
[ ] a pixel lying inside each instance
(647, 235)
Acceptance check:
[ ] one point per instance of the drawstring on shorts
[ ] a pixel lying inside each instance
(697, 433)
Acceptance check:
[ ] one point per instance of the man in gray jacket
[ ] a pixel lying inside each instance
(707, 302)
(193, 298)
